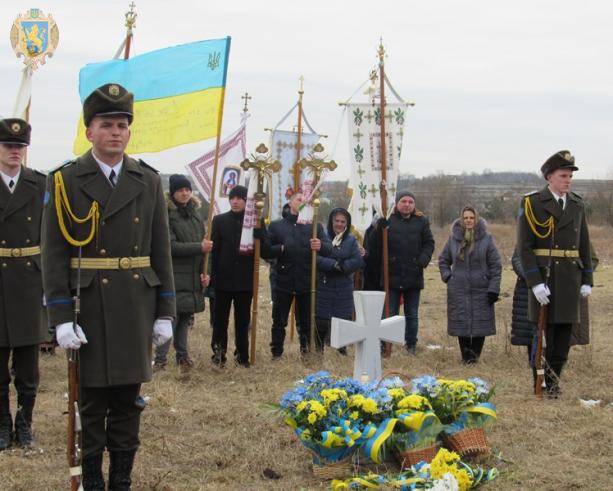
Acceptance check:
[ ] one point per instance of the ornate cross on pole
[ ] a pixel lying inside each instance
(247, 98)
(264, 168)
(367, 332)
(130, 24)
(316, 165)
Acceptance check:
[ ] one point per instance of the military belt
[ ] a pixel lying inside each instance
(19, 251)
(556, 252)
(111, 262)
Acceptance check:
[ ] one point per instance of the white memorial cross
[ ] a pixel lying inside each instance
(367, 332)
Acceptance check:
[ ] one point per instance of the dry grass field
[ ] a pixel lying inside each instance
(210, 430)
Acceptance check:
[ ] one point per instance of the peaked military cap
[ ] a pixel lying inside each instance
(108, 100)
(15, 130)
(560, 160)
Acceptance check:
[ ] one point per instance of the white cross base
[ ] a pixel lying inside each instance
(366, 333)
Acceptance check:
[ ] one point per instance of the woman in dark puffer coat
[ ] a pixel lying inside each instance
(335, 274)
(470, 265)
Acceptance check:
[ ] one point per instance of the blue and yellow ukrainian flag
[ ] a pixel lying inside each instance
(178, 93)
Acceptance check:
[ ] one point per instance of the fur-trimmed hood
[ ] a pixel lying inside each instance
(172, 206)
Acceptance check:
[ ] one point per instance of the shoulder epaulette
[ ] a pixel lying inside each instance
(531, 193)
(39, 173)
(145, 164)
(576, 195)
(66, 163)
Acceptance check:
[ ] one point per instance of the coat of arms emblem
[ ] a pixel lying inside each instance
(34, 36)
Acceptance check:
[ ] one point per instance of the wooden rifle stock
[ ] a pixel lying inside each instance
(74, 422)
(538, 360)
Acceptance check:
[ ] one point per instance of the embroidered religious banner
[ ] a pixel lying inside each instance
(232, 152)
(365, 158)
(283, 149)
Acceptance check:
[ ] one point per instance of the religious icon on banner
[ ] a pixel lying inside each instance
(34, 36)
(229, 179)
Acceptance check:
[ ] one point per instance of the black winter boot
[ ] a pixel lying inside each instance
(23, 420)
(120, 470)
(6, 423)
(92, 473)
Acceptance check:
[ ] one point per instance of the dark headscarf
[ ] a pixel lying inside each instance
(333, 213)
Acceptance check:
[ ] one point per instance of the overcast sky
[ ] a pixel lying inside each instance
(497, 85)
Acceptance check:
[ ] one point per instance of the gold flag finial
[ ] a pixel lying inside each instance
(131, 16)
(301, 89)
(381, 51)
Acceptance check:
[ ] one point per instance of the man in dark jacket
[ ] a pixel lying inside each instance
(291, 244)
(126, 286)
(232, 278)
(187, 246)
(410, 245)
(21, 290)
(554, 248)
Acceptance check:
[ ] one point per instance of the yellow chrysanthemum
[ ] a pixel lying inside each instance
(370, 406)
(301, 405)
(414, 401)
(464, 480)
(396, 393)
(354, 415)
(312, 418)
(356, 400)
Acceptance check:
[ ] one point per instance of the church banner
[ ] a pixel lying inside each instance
(232, 152)
(365, 158)
(283, 149)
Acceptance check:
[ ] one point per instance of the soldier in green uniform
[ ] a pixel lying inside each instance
(554, 249)
(126, 284)
(21, 291)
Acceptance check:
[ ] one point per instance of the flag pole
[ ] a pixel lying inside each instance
(296, 183)
(130, 23)
(383, 189)
(299, 137)
(215, 166)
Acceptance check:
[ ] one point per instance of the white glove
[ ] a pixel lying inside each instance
(541, 292)
(585, 291)
(162, 331)
(69, 338)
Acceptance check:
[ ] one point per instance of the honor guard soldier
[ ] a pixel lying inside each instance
(554, 249)
(21, 291)
(105, 236)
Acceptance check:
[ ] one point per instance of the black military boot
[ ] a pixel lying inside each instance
(92, 473)
(6, 423)
(23, 420)
(120, 470)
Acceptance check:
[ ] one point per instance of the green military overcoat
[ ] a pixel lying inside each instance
(118, 306)
(21, 289)
(567, 274)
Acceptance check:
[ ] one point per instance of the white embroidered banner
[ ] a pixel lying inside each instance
(365, 156)
(283, 149)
